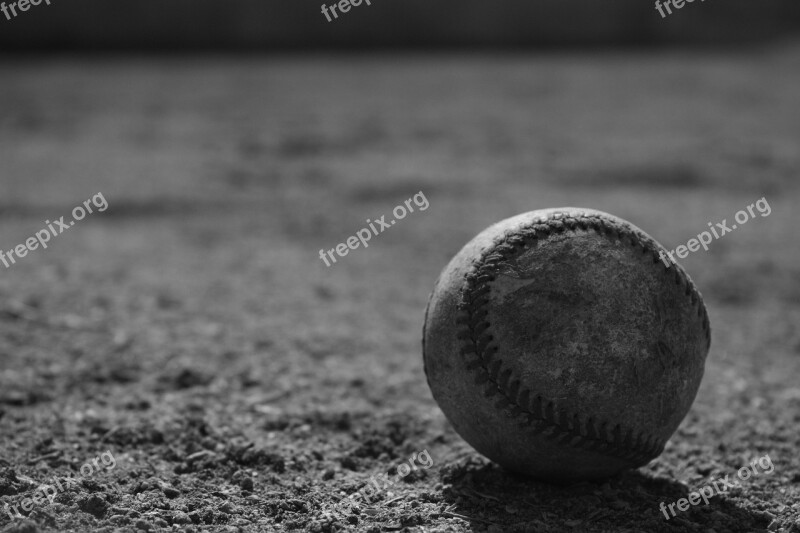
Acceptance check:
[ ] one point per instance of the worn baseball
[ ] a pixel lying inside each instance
(561, 346)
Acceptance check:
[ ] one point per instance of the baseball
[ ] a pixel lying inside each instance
(561, 347)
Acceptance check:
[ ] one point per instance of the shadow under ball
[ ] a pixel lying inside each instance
(560, 346)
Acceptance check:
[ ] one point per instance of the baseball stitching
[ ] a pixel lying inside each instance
(545, 416)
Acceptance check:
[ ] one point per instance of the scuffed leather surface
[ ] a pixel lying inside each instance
(578, 352)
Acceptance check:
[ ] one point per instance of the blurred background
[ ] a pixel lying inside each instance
(100, 25)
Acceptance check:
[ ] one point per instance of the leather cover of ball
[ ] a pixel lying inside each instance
(560, 346)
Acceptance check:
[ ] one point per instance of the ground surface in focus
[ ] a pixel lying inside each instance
(192, 330)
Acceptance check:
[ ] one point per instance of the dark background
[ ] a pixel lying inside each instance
(290, 24)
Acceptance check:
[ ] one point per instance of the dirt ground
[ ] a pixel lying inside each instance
(193, 333)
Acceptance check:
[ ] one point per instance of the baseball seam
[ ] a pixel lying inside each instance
(543, 415)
